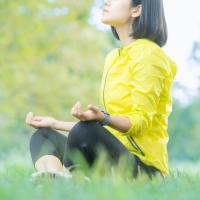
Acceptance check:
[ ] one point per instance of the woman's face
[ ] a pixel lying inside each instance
(116, 12)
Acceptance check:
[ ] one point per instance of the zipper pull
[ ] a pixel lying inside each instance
(119, 51)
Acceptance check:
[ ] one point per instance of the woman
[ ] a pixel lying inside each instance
(135, 94)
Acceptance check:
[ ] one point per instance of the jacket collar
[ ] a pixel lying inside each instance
(124, 49)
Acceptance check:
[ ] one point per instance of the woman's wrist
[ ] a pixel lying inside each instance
(106, 118)
(100, 116)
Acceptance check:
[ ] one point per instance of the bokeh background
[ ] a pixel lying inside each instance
(52, 54)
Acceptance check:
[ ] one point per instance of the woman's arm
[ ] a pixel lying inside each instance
(119, 123)
(62, 125)
(148, 81)
(50, 122)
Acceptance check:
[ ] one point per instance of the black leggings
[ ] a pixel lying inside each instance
(85, 137)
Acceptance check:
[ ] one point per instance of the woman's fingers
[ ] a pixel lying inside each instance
(79, 109)
(73, 110)
(36, 124)
(38, 118)
(33, 125)
(76, 110)
(29, 117)
(33, 121)
(93, 108)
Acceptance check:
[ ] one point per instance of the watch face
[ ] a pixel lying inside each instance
(106, 119)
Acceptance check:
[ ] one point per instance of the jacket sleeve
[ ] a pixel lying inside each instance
(147, 82)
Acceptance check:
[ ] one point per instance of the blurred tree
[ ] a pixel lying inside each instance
(184, 129)
(50, 58)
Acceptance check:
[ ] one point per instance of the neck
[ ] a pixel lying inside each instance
(123, 33)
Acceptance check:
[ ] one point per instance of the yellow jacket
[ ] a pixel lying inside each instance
(136, 83)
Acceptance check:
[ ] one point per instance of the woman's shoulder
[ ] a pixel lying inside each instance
(146, 51)
(139, 47)
(144, 48)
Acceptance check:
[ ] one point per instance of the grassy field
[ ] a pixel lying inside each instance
(15, 184)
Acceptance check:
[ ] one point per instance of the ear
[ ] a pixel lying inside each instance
(136, 11)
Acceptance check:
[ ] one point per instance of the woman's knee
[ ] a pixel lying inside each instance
(42, 131)
(81, 131)
(41, 143)
(40, 135)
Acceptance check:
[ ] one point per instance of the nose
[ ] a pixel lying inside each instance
(106, 3)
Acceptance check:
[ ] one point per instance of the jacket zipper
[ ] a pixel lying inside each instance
(130, 139)
(104, 89)
(106, 80)
(119, 51)
(134, 144)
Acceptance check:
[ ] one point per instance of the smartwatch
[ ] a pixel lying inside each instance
(106, 119)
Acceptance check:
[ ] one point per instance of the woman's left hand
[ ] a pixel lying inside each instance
(93, 112)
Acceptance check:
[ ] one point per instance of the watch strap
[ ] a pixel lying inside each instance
(106, 119)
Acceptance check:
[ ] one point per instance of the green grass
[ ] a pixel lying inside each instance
(15, 184)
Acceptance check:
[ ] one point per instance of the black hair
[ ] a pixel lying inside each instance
(151, 24)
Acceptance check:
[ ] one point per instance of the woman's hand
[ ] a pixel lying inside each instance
(40, 121)
(93, 113)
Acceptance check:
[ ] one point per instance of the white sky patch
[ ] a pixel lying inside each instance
(95, 16)
(184, 29)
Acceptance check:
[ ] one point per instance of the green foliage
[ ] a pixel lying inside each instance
(184, 128)
(50, 58)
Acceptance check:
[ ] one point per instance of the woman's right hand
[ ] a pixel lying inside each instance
(40, 121)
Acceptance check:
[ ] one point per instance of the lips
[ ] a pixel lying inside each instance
(104, 10)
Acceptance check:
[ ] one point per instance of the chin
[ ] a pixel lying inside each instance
(106, 21)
